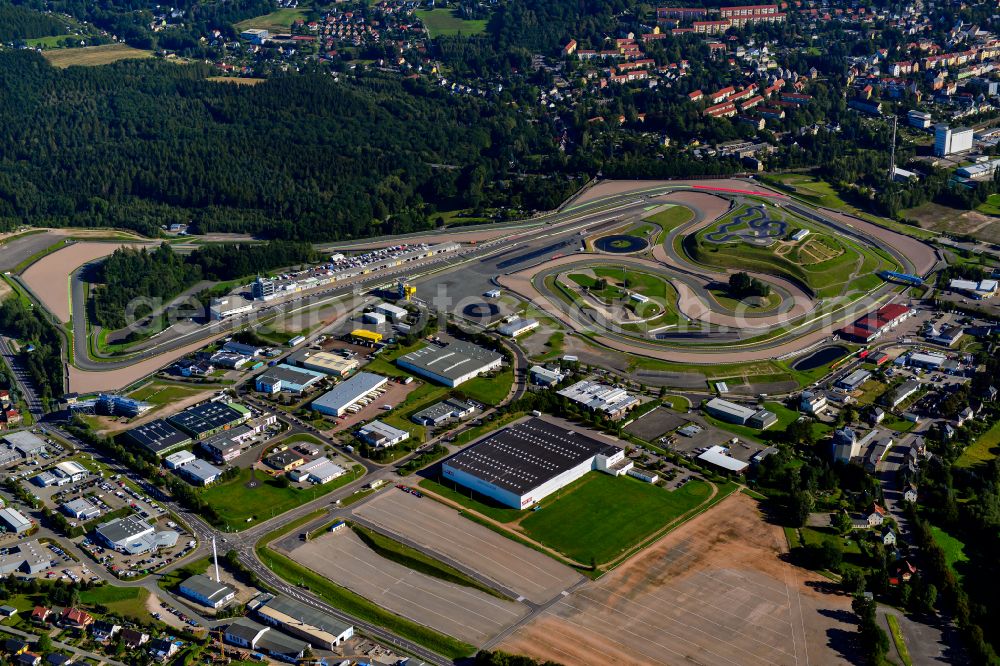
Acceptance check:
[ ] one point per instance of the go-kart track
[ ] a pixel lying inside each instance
(759, 228)
(519, 257)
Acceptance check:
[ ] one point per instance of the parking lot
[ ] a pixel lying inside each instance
(463, 612)
(437, 528)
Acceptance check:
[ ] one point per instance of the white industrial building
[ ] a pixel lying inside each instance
(229, 306)
(392, 312)
(719, 457)
(12, 520)
(597, 397)
(731, 412)
(518, 327)
(199, 472)
(319, 471)
(451, 365)
(977, 290)
(382, 435)
(336, 401)
(800, 234)
(926, 360)
(545, 377)
(206, 591)
(948, 141)
(81, 509)
(179, 459)
(525, 463)
(376, 318)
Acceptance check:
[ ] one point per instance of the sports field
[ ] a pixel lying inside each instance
(600, 516)
(443, 22)
(91, 56)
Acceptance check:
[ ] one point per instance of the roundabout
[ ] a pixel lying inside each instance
(621, 244)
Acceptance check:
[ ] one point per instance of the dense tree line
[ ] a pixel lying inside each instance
(137, 273)
(131, 19)
(22, 23)
(44, 364)
(486, 658)
(741, 285)
(303, 157)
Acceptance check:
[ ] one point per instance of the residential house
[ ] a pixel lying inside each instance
(876, 516)
(888, 538)
(15, 646)
(964, 416)
(27, 659)
(57, 659)
(75, 618)
(133, 638)
(903, 571)
(7, 612)
(103, 631)
(910, 494)
(876, 415)
(162, 649)
(40, 614)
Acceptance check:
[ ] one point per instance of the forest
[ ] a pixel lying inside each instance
(305, 157)
(43, 364)
(20, 23)
(131, 273)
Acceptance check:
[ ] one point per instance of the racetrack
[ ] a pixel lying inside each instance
(460, 280)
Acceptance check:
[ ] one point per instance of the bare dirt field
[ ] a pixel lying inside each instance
(48, 278)
(462, 612)
(714, 591)
(437, 528)
(952, 220)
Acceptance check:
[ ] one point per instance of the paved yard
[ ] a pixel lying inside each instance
(439, 529)
(465, 613)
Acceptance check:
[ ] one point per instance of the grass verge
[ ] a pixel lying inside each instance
(897, 638)
(420, 562)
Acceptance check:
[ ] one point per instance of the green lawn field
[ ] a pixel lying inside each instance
(954, 550)
(236, 503)
(670, 218)
(278, 21)
(991, 206)
(488, 390)
(982, 450)
(159, 394)
(130, 601)
(600, 516)
(443, 22)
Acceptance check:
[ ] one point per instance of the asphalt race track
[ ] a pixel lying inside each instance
(504, 254)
